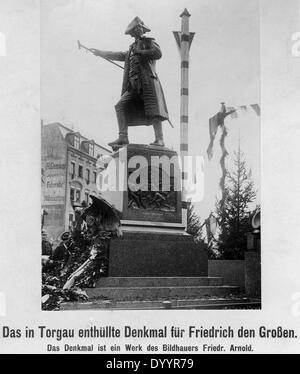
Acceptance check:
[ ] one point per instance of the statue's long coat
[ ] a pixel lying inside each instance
(153, 104)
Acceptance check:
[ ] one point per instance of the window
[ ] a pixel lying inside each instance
(87, 196)
(101, 180)
(87, 176)
(95, 176)
(76, 142)
(77, 196)
(91, 149)
(73, 169)
(72, 194)
(80, 171)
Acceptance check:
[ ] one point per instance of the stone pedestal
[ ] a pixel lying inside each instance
(147, 187)
(253, 273)
(148, 195)
(150, 254)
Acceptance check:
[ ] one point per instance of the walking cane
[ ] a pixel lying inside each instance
(105, 58)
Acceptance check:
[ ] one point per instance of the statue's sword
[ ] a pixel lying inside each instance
(105, 58)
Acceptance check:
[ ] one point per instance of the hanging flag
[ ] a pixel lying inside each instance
(256, 108)
(222, 164)
(232, 112)
(214, 122)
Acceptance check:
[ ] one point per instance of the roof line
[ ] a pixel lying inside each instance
(70, 130)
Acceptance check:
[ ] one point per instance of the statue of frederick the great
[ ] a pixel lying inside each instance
(142, 101)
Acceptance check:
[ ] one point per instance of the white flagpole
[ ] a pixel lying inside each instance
(184, 40)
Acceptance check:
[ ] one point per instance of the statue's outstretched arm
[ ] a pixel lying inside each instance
(115, 56)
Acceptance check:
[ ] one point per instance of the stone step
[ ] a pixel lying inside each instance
(159, 281)
(206, 303)
(156, 293)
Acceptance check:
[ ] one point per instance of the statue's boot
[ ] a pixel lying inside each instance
(122, 140)
(123, 131)
(159, 139)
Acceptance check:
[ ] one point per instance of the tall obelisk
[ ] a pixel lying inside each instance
(184, 40)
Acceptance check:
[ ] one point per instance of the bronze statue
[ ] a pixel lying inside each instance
(142, 101)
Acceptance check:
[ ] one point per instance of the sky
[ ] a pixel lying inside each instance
(80, 90)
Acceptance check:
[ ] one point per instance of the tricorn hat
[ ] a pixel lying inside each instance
(136, 22)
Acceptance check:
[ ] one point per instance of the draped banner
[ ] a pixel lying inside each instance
(233, 113)
(256, 108)
(218, 121)
(244, 108)
(214, 122)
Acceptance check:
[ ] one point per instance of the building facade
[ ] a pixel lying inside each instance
(68, 174)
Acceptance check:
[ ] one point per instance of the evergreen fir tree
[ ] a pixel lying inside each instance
(194, 226)
(233, 217)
